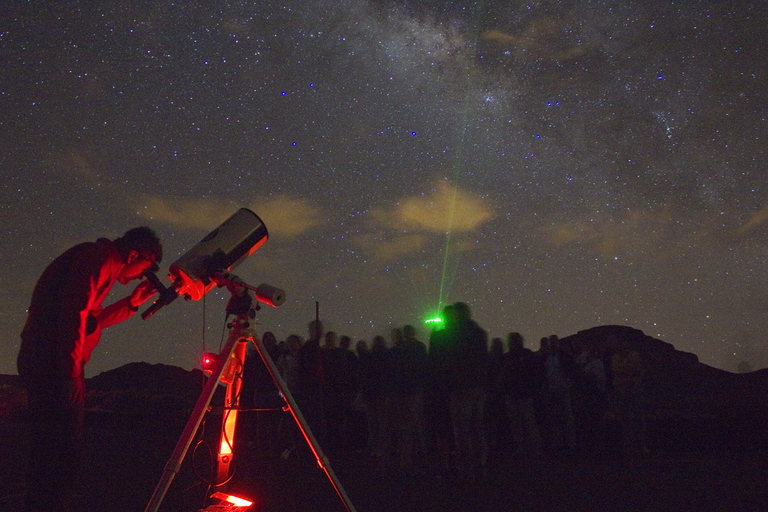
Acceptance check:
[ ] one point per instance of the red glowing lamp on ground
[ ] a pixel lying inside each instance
(228, 503)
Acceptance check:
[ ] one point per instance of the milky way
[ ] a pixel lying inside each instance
(556, 165)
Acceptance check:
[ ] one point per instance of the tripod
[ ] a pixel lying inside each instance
(229, 369)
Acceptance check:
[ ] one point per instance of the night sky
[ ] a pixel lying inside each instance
(557, 165)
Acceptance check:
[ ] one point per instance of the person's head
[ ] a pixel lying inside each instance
(515, 341)
(379, 344)
(497, 347)
(345, 342)
(463, 313)
(396, 335)
(269, 339)
(294, 343)
(361, 347)
(141, 250)
(554, 344)
(409, 332)
(449, 316)
(330, 340)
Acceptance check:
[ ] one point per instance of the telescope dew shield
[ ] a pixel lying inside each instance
(270, 295)
(221, 250)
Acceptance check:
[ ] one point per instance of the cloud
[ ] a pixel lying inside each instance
(410, 225)
(659, 233)
(282, 214)
(638, 230)
(383, 249)
(74, 162)
(446, 208)
(545, 38)
(756, 220)
(287, 215)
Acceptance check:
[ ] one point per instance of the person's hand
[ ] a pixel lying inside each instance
(142, 293)
(75, 391)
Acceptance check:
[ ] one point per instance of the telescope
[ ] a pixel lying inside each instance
(195, 273)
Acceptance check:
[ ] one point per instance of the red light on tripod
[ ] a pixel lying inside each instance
(209, 361)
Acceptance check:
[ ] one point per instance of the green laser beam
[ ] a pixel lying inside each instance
(458, 164)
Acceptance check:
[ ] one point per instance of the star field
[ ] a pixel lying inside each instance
(557, 165)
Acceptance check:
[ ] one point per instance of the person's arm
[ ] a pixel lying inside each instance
(126, 307)
(78, 289)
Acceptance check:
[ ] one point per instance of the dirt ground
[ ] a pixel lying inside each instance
(123, 467)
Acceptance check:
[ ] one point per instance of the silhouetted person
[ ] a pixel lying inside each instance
(361, 349)
(407, 368)
(559, 369)
(522, 380)
(330, 341)
(437, 403)
(373, 382)
(262, 425)
(288, 366)
(330, 410)
(496, 422)
(312, 380)
(593, 398)
(468, 381)
(341, 382)
(63, 327)
(288, 363)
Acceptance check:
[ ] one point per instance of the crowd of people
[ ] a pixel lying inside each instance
(452, 407)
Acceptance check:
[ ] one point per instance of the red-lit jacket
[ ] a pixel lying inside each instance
(65, 316)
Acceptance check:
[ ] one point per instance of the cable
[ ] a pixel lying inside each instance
(203, 325)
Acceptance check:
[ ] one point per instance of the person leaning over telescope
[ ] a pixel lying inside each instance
(63, 326)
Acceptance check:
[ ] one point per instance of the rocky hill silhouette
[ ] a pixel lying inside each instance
(690, 405)
(143, 393)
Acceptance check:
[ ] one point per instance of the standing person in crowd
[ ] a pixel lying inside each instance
(593, 398)
(422, 362)
(373, 388)
(312, 380)
(331, 392)
(559, 371)
(260, 392)
(63, 326)
(469, 379)
(361, 349)
(522, 379)
(359, 407)
(341, 385)
(288, 366)
(496, 422)
(437, 405)
(407, 368)
(288, 363)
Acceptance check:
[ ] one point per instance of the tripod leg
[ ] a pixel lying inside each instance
(322, 460)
